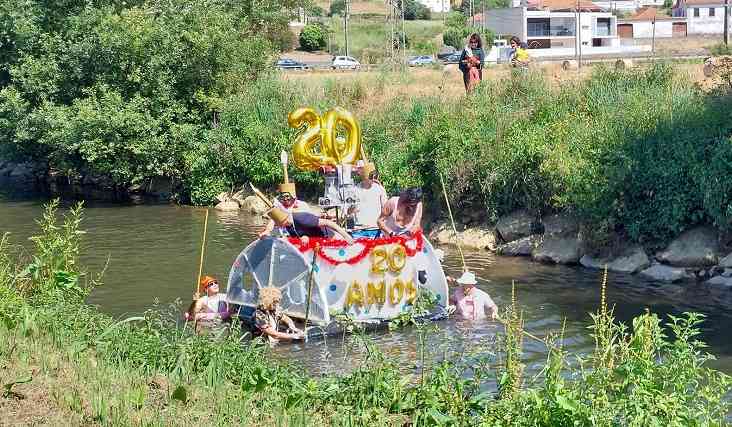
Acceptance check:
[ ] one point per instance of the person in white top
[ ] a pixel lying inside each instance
(372, 198)
(402, 214)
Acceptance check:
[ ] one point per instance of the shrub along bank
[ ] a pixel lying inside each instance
(136, 91)
(82, 366)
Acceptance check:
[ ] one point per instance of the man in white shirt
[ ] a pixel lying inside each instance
(372, 197)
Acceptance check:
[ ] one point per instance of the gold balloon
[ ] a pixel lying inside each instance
(398, 259)
(346, 150)
(354, 297)
(396, 293)
(324, 130)
(304, 154)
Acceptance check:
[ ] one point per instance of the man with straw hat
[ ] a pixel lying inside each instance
(471, 302)
(372, 197)
(286, 200)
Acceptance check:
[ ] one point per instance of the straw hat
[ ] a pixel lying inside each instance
(288, 187)
(278, 215)
(367, 169)
(468, 278)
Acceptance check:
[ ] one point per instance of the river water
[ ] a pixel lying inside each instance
(153, 253)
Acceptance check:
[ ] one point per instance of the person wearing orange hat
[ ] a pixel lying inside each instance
(212, 305)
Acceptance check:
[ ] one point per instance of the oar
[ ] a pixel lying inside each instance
(316, 249)
(452, 220)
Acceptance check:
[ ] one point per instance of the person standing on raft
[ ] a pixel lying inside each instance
(402, 214)
(286, 200)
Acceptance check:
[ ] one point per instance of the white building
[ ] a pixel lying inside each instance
(436, 5)
(641, 25)
(552, 25)
(702, 16)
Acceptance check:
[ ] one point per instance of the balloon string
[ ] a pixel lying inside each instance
(203, 247)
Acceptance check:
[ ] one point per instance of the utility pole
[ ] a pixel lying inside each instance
(726, 22)
(404, 38)
(653, 39)
(482, 21)
(472, 12)
(579, 21)
(577, 33)
(346, 14)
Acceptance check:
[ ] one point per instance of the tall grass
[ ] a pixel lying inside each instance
(148, 371)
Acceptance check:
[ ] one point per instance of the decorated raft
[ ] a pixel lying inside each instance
(372, 281)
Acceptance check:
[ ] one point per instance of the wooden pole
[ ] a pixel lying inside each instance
(203, 248)
(310, 289)
(726, 22)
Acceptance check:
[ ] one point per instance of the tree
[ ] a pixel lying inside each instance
(414, 10)
(337, 7)
(313, 37)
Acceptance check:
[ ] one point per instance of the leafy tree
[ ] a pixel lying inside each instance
(415, 10)
(337, 7)
(313, 37)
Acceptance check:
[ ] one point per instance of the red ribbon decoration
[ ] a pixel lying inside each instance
(368, 246)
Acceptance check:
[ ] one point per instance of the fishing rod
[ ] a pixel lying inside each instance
(452, 221)
(203, 248)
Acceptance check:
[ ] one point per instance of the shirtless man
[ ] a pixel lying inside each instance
(402, 214)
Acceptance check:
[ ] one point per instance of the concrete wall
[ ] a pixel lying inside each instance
(644, 30)
(705, 24)
(622, 5)
(508, 22)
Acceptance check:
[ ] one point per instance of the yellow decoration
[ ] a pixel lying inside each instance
(379, 260)
(324, 130)
(354, 295)
(375, 293)
(396, 293)
(398, 259)
(411, 291)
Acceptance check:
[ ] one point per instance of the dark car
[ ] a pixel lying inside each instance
(290, 64)
(453, 58)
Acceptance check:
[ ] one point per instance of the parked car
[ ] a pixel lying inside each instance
(453, 58)
(345, 62)
(418, 61)
(290, 64)
(445, 52)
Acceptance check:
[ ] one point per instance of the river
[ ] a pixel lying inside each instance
(153, 255)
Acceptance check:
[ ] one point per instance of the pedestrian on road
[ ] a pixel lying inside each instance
(471, 62)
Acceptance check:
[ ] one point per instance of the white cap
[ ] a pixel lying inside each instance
(440, 254)
(468, 278)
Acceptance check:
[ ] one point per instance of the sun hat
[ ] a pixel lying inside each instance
(206, 281)
(468, 278)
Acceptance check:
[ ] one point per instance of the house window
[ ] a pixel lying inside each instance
(696, 12)
(712, 11)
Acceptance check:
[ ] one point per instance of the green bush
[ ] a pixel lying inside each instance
(337, 7)
(313, 37)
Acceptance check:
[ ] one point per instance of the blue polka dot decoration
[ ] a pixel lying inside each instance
(316, 268)
(439, 297)
(332, 288)
(342, 252)
(424, 250)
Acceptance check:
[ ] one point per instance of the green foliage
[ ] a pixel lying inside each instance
(720, 49)
(415, 10)
(313, 37)
(457, 29)
(337, 7)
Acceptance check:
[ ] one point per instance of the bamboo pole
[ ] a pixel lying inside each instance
(203, 248)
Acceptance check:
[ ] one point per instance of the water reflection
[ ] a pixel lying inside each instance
(154, 253)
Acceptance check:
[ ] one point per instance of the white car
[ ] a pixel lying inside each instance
(345, 62)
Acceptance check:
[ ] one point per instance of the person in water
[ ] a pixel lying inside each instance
(305, 225)
(372, 197)
(212, 306)
(402, 214)
(288, 202)
(269, 318)
(472, 303)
